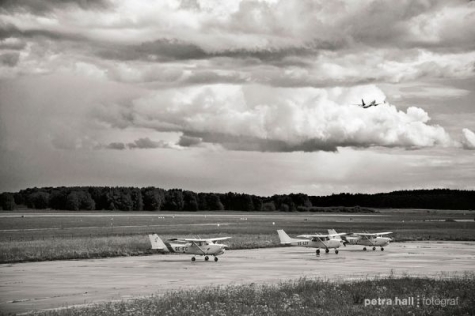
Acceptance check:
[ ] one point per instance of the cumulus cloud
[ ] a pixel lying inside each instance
(261, 118)
(469, 139)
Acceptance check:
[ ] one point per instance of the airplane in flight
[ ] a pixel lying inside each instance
(311, 241)
(364, 239)
(194, 246)
(365, 106)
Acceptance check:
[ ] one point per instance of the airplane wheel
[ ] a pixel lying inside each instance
(382, 249)
(317, 252)
(206, 258)
(327, 251)
(364, 248)
(374, 248)
(336, 251)
(216, 259)
(193, 258)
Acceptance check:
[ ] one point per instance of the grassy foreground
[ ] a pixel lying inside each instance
(453, 296)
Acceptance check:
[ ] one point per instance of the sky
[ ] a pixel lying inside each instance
(259, 97)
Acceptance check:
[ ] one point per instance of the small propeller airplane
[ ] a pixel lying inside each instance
(373, 103)
(312, 241)
(201, 247)
(364, 239)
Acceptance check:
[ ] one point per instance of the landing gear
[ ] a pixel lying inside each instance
(382, 249)
(336, 251)
(215, 259)
(317, 252)
(206, 258)
(364, 248)
(193, 259)
(374, 248)
(327, 250)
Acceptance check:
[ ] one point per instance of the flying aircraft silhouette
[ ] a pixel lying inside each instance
(365, 106)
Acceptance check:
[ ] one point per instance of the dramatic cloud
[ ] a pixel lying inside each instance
(104, 84)
(147, 143)
(189, 141)
(469, 139)
(117, 146)
(9, 59)
(47, 6)
(244, 41)
(260, 118)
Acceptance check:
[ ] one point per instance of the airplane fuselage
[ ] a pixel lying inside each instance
(324, 244)
(372, 242)
(200, 248)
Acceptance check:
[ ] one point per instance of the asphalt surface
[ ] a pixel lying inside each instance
(37, 286)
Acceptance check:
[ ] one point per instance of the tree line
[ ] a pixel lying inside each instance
(156, 199)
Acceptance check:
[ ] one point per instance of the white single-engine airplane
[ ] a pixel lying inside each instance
(201, 247)
(365, 239)
(312, 241)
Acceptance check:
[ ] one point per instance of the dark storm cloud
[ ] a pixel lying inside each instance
(147, 143)
(189, 141)
(210, 77)
(9, 59)
(365, 43)
(141, 143)
(12, 43)
(42, 7)
(174, 49)
(162, 50)
(11, 31)
(250, 143)
(116, 146)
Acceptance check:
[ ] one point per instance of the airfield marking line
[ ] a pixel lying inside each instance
(168, 215)
(102, 227)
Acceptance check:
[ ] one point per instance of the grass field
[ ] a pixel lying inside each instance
(53, 235)
(453, 296)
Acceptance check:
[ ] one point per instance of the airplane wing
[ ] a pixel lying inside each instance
(206, 239)
(317, 238)
(339, 234)
(371, 234)
(314, 236)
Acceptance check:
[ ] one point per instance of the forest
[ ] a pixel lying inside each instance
(156, 199)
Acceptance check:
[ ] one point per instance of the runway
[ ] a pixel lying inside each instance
(44, 285)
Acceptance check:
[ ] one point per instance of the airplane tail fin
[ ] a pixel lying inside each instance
(284, 238)
(333, 234)
(157, 243)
